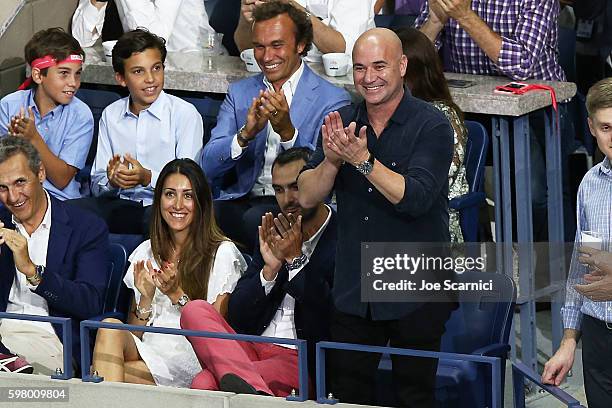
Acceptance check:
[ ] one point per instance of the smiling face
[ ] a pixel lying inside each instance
(144, 77)
(275, 49)
(600, 124)
(378, 70)
(58, 86)
(21, 190)
(177, 203)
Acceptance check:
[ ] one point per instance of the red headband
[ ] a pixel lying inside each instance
(48, 61)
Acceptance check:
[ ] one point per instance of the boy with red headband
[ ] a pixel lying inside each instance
(48, 114)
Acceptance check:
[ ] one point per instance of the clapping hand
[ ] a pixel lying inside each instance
(166, 280)
(18, 244)
(143, 279)
(22, 125)
(456, 9)
(282, 240)
(274, 106)
(248, 7)
(256, 118)
(341, 144)
(127, 172)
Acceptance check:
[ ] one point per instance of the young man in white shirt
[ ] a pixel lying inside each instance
(182, 23)
(138, 135)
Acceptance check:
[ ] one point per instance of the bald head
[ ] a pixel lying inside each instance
(379, 37)
(378, 68)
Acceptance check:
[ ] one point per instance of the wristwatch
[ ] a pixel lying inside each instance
(35, 279)
(297, 263)
(241, 139)
(181, 302)
(366, 167)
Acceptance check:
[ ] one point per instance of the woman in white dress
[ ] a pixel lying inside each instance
(187, 257)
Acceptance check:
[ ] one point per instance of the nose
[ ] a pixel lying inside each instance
(149, 76)
(178, 202)
(369, 75)
(268, 54)
(13, 195)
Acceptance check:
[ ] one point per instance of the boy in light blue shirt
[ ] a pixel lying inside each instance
(138, 135)
(58, 124)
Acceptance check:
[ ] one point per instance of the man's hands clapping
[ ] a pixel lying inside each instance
(280, 240)
(271, 107)
(341, 144)
(18, 244)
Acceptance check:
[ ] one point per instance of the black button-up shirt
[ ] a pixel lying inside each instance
(418, 144)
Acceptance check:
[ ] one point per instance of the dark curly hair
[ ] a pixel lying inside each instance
(303, 26)
(133, 41)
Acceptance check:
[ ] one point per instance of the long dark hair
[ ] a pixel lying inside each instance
(424, 75)
(204, 236)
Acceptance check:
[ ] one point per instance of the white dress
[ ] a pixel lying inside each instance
(170, 358)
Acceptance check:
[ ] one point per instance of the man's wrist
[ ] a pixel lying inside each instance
(146, 177)
(29, 270)
(467, 18)
(287, 134)
(270, 272)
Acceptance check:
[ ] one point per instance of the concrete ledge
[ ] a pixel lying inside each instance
(116, 395)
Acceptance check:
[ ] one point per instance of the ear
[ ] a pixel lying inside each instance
(300, 47)
(37, 76)
(403, 65)
(42, 174)
(120, 79)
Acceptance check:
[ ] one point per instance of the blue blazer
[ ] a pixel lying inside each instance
(314, 98)
(250, 310)
(77, 271)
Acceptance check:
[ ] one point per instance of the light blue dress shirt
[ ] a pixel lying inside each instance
(67, 130)
(594, 213)
(168, 129)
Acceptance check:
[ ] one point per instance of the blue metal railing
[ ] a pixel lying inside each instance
(87, 325)
(520, 371)
(66, 337)
(495, 363)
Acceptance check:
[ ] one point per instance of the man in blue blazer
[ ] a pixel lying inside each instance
(54, 259)
(285, 292)
(263, 115)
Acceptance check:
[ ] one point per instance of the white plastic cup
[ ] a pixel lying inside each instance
(336, 64)
(248, 56)
(108, 50)
(591, 239)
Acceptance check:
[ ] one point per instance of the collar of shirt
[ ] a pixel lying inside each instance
(399, 116)
(606, 167)
(156, 109)
(45, 224)
(290, 86)
(309, 246)
(32, 104)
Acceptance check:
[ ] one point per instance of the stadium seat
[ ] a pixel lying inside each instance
(115, 280)
(97, 100)
(469, 204)
(394, 21)
(208, 109)
(477, 327)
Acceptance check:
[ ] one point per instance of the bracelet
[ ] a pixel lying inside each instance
(242, 139)
(138, 312)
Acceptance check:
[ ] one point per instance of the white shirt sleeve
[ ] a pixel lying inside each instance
(87, 23)
(289, 143)
(267, 285)
(158, 16)
(227, 269)
(351, 18)
(236, 150)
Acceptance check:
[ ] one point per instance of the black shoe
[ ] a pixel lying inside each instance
(233, 383)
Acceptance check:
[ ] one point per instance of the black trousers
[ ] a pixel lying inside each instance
(122, 216)
(352, 374)
(597, 362)
(240, 218)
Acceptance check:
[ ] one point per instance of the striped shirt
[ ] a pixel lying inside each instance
(594, 213)
(528, 29)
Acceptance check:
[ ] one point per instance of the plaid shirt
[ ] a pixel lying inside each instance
(594, 212)
(528, 29)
